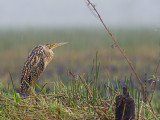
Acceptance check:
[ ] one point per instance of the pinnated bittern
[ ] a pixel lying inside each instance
(35, 64)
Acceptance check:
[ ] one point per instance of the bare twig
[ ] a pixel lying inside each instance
(74, 76)
(111, 89)
(126, 58)
(90, 92)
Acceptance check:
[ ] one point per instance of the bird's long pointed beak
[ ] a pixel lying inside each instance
(52, 46)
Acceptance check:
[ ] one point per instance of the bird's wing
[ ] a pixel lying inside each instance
(33, 67)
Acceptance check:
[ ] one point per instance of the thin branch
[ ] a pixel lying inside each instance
(111, 89)
(85, 83)
(126, 58)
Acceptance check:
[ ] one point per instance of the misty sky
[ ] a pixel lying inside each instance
(15, 13)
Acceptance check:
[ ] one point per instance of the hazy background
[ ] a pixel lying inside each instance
(71, 13)
(25, 24)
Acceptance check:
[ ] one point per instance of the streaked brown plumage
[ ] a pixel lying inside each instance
(36, 63)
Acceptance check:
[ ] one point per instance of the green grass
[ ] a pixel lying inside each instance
(85, 96)
(77, 100)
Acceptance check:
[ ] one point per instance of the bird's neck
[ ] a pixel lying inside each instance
(48, 56)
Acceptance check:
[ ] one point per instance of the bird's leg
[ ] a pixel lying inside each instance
(31, 87)
(31, 92)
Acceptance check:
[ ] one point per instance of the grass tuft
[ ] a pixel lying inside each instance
(79, 100)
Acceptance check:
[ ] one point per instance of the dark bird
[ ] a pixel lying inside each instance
(35, 64)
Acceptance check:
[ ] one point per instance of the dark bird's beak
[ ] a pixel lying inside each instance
(52, 46)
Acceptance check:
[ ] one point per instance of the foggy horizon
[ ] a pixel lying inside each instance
(72, 13)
